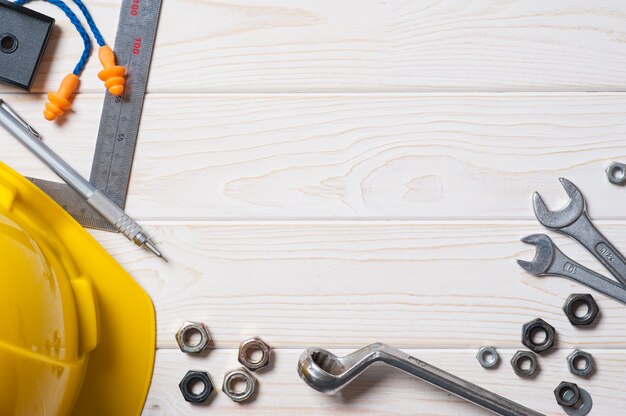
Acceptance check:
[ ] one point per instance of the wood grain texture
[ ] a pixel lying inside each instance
(345, 284)
(439, 156)
(382, 390)
(358, 46)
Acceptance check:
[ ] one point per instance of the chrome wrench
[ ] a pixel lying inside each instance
(572, 220)
(327, 373)
(550, 261)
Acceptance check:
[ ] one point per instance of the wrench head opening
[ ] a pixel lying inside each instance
(566, 215)
(328, 373)
(543, 256)
(321, 370)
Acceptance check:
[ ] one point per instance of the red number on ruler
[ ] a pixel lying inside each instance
(134, 8)
(137, 46)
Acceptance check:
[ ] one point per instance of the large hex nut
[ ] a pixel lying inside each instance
(248, 347)
(190, 379)
(577, 357)
(567, 394)
(488, 357)
(228, 386)
(517, 362)
(616, 173)
(574, 301)
(184, 333)
(531, 328)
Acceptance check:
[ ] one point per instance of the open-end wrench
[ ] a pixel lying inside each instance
(550, 261)
(572, 220)
(325, 372)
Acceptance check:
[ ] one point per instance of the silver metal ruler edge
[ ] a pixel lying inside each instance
(73, 203)
(121, 115)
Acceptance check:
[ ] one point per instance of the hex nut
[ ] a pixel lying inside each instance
(192, 377)
(250, 345)
(519, 358)
(530, 328)
(616, 173)
(574, 358)
(567, 394)
(240, 374)
(189, 328)
(577, 299)
(488, 357)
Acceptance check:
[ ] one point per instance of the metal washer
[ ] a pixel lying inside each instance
(586, 406)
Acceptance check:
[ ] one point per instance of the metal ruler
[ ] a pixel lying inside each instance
(119, 123)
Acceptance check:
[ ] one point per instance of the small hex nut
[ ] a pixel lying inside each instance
(530, 328)
(228, 386)
(188, 328)
(616, 173)
(488, 357)
(518, 358)
(567, 394)
(575, 358)
(187, 383)
(577, 299)
(247, 347)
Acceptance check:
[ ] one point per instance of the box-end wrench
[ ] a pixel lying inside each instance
(550, 261)
(573, 221)
(327, 373)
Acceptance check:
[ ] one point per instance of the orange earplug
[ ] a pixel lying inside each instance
(58, 102)
(112, 74)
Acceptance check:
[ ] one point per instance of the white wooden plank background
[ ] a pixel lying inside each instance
(335, 173)
(368, 45)
(352, 283)
(407, 156)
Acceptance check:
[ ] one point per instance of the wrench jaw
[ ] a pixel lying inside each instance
(327, 373)
(319, 368)
(566, 215)
(544, 255)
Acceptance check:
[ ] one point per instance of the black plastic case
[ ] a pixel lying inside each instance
(24, 34)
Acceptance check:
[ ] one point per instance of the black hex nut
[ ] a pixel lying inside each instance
(574, 301)
(189, 380)
(518, 358)
(530, 328)
(584, 357)
(567, 394)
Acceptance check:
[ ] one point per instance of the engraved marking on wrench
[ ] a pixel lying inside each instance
(569, 268)
(604, 250)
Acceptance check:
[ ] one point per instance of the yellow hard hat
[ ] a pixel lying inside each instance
(77, 333)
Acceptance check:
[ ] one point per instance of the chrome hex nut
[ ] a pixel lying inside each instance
(567, 394)
(616, 173)
(187, 383)
(488, 357)
(575, 358)
(577, 299)
(248, 347)
(518, 360)
(228, 386)
(531, 328)
(186, 330)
